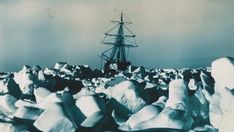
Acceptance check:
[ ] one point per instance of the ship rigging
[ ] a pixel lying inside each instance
(121, 38)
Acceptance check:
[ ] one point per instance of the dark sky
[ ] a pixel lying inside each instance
(169, 33)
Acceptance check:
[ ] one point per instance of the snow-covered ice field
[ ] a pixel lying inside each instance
(78, 98)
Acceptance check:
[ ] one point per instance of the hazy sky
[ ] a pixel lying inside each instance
(170, 33)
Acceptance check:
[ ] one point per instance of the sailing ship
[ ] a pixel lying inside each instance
(120, 38)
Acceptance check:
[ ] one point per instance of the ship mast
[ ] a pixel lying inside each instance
(120, 38)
